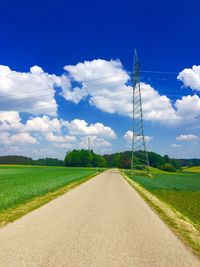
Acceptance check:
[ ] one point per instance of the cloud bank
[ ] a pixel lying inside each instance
(187, 137)
(51, 132)
(105, 85)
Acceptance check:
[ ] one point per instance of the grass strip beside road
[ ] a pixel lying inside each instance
(18, 210)
(184, 228)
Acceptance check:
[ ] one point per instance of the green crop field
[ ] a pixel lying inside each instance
(193, 169)
(180, 190)
(20, 184)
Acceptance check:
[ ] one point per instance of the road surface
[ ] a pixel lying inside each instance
(103, 222)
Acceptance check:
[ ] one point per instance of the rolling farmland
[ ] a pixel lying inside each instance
(193, 169)
(179, 190)
(21, 184)
(103, 222)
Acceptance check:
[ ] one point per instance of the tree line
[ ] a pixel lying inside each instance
(123, 160)
(86, 158)
(21, 160)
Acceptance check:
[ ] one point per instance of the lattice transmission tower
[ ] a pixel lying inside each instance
(138, 139)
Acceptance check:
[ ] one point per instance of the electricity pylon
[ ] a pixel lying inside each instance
(138, 139)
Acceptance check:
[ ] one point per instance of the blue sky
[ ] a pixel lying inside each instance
(41, 115)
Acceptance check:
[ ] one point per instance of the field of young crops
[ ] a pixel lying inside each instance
(193, 169)
(179, 190)
(19, 184)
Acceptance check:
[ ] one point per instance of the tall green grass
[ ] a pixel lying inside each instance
(19, 184)
(183, 181)
(179, 190)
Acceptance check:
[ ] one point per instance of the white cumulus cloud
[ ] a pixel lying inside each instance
(128, 136)
(96, 143)
(190, 77)
(81, 127)
(60, 139)
(188, 109)
(105, 84)
(10, 120)
(20, 138)
(175, 145)
(43, 124)
(31, 92)
(187, 137)
(157, 107)
(48, 131)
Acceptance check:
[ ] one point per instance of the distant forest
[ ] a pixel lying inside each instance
(85, 158)
(29, 161)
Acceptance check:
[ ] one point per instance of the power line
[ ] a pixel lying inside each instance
(23, 99)
(86, 88)
(25, 92)
(45, 95)
(98, 85)
(50, 94)
(32, 109)
(160, 72)
(53, 93)
(102, 78)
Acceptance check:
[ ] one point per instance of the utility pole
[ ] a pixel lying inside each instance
(138, 139)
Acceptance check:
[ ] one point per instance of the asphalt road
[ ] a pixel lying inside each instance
(103, 222)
